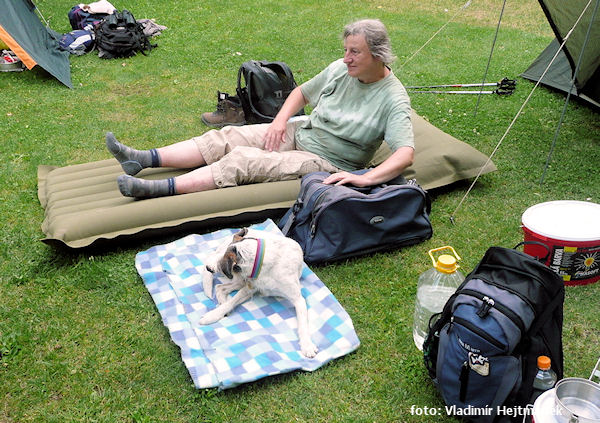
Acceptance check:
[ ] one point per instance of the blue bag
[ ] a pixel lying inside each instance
(335, 222)
(77, 42)
(481, 351)
(80, 19)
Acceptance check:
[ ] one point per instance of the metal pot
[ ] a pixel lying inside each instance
(578, 400)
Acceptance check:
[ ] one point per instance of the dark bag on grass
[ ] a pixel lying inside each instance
(80, 19)
(77, 42)
(335, 222)
(120, 35)
(264, 89)
(482, 350)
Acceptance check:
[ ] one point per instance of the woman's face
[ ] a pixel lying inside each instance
(359, 60)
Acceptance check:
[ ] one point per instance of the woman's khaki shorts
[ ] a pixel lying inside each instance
(236, 156)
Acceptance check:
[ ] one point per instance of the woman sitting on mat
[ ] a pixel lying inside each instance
(357, 100)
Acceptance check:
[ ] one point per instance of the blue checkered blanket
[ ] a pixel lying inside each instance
(259, 338)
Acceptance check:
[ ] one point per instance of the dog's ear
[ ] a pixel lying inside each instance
(228, 264)
(237, 237)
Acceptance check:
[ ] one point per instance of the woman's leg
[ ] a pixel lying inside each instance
(184, 154)
(194, 153)
(200, 179)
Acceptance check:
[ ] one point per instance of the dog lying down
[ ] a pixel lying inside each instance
(258, 262)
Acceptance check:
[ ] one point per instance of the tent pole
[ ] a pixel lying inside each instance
(490, 57)
(564, 110)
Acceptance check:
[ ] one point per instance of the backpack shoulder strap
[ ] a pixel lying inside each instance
(436, 324)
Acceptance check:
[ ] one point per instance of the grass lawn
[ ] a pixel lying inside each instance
(80, 337)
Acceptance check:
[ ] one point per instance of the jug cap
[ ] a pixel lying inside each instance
(445, 263)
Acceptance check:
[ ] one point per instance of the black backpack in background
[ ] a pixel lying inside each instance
(267, 85)
(120, 35)
(482, 350)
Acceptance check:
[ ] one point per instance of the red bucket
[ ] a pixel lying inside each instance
(571, 231)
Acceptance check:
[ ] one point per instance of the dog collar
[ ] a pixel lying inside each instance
(258, 259)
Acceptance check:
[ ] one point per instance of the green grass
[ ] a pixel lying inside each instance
(80, 337)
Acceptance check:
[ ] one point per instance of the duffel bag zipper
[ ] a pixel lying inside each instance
(489, 302)
(476, 330)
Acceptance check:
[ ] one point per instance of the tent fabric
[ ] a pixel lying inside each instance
(560, 74)
(84, 207)
(562, 16)
(31, 41)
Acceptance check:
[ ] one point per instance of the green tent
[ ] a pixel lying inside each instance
(581, 52)
(35, 44)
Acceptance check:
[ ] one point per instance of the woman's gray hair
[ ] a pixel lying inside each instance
(376, 37)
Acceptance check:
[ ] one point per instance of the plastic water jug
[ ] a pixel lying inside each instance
(434, 288)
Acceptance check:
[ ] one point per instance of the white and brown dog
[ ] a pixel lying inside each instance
(258, 262)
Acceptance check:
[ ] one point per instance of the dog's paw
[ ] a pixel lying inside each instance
(308, 349)
(210, 317)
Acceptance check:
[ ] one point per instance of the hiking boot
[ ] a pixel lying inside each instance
(229, 112)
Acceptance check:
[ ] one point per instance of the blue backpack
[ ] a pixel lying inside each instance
(481, 350)
(336, 222)
(77, 42)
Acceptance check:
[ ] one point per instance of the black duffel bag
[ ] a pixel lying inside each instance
(333, 222)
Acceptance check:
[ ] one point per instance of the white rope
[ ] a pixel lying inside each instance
(519, 112)
(39, 12)
(467, 4)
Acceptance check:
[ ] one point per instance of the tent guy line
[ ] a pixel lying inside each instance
(467, 4)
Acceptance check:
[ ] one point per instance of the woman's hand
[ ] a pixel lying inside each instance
(343, 178)
(275, 135)
(389, 169)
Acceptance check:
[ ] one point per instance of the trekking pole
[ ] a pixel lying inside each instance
(503, 84)
(498, 91)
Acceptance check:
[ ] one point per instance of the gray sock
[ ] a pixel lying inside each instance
(145, 188)
(132, 161)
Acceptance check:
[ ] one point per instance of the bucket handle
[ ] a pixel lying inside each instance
(542, 259)
(595, 376)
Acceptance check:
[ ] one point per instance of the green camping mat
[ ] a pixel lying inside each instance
(84, 207)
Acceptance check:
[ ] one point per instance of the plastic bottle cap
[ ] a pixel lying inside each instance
(543, 362)
(446, 263)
